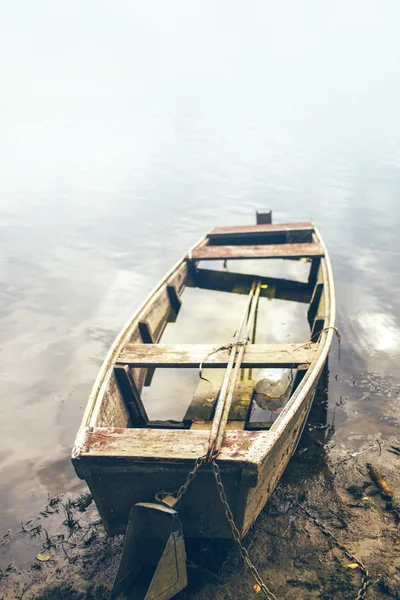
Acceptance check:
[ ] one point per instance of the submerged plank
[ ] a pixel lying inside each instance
(190, 356)
(257, 251)
(202, 404)
(239, 283)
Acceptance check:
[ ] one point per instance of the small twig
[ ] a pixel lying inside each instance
(74, 545)
(24, 590)
(49, 543)
(379, 446)
(281, 537)
(70, 560)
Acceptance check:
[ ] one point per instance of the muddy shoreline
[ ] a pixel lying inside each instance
(292, 551)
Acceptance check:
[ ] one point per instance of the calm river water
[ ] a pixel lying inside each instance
(127, 130)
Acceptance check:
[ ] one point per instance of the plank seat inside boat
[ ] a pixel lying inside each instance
(266, 229)
(191, 356)
(262, 234)
(202, 406)
(235, 252)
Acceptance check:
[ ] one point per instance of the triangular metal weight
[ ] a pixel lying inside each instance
(153, 561)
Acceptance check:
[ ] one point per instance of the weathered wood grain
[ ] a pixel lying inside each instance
(190, 356)
(113, 408)
(239, 283)
(200, 512)
(202, 404)
(163, 445)
(257, 251)
(265, 229)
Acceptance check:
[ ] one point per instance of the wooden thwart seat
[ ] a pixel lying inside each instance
(257, 251)
(263, 229)
(190, 356)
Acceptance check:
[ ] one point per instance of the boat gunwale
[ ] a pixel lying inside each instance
(96, 395)
(325, 340)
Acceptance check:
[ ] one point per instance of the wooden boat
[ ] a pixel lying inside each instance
(127, 458)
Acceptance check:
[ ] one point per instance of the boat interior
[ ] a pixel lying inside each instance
(261, 286)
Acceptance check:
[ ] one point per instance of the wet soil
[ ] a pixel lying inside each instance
(325, 481)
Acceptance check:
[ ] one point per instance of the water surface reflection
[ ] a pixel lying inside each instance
(126, 136)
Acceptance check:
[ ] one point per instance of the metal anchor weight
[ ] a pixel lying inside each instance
(153, 561)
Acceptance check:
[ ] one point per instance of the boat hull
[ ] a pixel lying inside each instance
(117, 484)
(124, 465)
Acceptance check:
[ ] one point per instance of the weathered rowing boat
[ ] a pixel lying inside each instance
(128, 458)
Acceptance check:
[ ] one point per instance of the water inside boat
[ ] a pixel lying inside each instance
(212, 305)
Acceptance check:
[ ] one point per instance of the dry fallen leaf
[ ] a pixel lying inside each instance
(43, 557)
(256, 588)
(352, 566)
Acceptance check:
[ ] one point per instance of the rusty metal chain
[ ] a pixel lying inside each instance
(171, 499)
(236, 535)
(161, 496)
(365, 577)
(191, 475)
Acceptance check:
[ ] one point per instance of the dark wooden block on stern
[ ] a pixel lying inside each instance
(131, 396)
(264, 217)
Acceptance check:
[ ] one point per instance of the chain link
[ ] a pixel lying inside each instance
(210, 458)
(365, 577)
(236, 535)
(184, 487)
